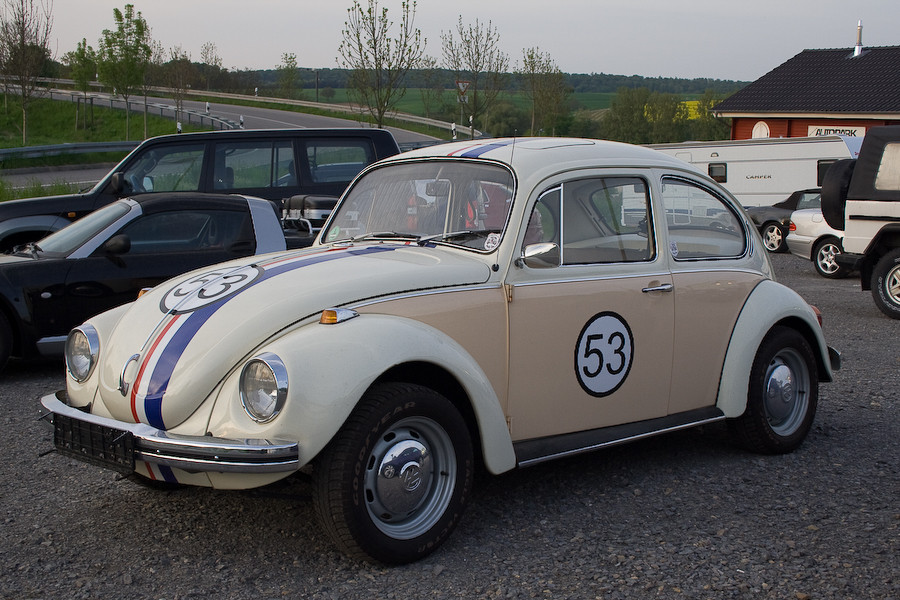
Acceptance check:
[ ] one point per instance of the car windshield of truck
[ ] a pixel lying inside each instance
(70, 238)
(462, 203)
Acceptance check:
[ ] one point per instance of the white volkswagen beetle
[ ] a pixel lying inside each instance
(503, 302)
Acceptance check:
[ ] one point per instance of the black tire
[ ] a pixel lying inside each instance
(394, 482)
(886, 284)
(773, 237)
(835, 185)
(6, 342)
(824, 261)
(783, 394)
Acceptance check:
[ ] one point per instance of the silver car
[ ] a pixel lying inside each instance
(810, 237)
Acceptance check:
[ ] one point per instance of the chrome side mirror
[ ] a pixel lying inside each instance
(544, 255)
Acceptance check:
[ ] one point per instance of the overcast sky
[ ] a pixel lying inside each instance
(720, 39)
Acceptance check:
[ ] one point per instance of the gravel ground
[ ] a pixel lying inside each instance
(685, 515)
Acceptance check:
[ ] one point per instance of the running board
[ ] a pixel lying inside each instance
(534, 451)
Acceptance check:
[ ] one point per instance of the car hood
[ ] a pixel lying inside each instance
(175, 344)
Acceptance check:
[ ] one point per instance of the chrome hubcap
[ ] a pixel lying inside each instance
(773, 237)
(786, 392)
(409, 478)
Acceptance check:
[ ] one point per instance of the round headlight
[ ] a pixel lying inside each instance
(82, 349)
(264, 387)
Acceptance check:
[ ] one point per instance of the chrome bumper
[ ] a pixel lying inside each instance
(189, 453)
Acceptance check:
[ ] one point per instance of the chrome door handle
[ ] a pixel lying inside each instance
(666, 287)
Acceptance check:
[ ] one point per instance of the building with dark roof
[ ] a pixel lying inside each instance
(819, 92)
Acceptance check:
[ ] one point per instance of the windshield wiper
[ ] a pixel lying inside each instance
(383, 234)
(442, 237)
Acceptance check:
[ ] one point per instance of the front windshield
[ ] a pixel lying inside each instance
(464, 203)
(72, 237)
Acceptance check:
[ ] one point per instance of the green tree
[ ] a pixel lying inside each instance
(82, 63)
(476, 57)
(668, 118)
(626, 119)
(378, 63)
(287, 74)
(707, 126)
(124, 54)
(25, 49)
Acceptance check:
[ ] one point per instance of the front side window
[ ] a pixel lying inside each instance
(595, 220)
(166, 169)
(700, 224)
(184, 231)
(464, 203)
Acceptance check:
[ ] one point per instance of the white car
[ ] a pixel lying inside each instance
(502, 301)
(810, 237)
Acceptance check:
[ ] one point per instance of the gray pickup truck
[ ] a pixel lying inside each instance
(302, 170)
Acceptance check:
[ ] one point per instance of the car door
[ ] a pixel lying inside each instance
(706, 245)
(590, 329)
(161, 245)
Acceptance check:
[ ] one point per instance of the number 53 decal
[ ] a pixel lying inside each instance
(604, 354)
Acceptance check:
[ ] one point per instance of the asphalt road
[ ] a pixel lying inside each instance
(685, 515)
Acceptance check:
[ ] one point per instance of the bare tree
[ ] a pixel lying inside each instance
(124, 54)
(180, 71)
(377, 62)
(432, 89)
(544, 85)
(476, 58)
(25, 42)
(209, 56)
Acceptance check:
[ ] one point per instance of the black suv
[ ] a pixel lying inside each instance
(302, 170)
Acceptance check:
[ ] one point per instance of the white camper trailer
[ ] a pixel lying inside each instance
(763, 171)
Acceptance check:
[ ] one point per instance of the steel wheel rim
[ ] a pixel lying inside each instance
(772, 237)
(892, 284)
(825, 258)
(409, 479)
(786, 392)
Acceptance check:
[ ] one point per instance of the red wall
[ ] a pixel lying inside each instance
(742, 128)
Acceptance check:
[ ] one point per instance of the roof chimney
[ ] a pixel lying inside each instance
(859, 47)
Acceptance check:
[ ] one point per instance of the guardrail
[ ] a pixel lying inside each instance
(58, 149)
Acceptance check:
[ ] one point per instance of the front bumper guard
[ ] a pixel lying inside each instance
(188, 453)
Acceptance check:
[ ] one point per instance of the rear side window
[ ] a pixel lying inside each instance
(334, 161)
(700, 224)
(253, 164)
(888, 176)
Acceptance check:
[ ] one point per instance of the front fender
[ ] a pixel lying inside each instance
(769, 304)
(330, 367)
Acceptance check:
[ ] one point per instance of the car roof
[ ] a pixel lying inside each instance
(529, 155)
(270, 133)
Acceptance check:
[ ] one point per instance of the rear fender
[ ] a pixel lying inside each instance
(769, 304)
(330, 367)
